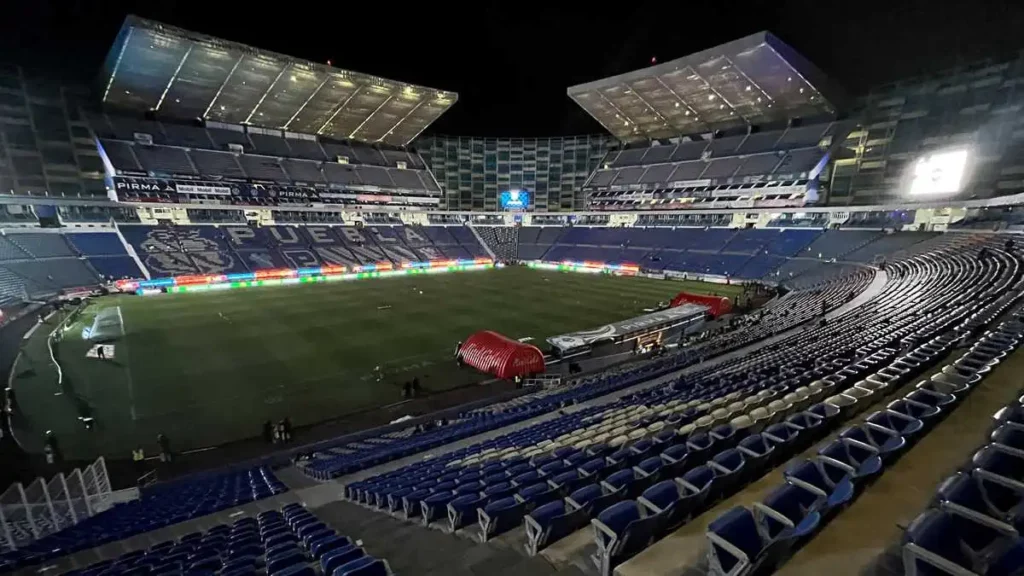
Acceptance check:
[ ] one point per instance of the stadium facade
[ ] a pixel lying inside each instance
(975, 106)
(699, 140)
(474, 171)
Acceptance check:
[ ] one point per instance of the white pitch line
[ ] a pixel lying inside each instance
(127, 367)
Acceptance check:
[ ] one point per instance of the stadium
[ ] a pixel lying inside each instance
(258, 317)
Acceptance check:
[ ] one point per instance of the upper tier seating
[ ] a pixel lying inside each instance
(121, 155)
(217, 164)
(790, 153)
(262, 168)
(160, 505)
(191, 150)
(164, 159)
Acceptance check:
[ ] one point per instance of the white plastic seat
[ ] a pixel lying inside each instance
(751, 402)
(760, 417)
(704, 422)
(655, 426)
(741, 423)
(618, 441)
(841, 401)
(637, 434)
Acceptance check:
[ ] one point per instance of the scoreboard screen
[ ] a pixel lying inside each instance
(515, 200)
(938, 173)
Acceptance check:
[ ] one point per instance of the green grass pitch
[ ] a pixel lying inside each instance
(207, 368)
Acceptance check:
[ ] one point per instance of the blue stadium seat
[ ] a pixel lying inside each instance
(676, 458)
(848, 456)
(672, 501)
(500, 516)
(832, 488)
(945, 542)
(986, 494)
(592, 497)
(552, 521)
(738, 545)
(621, 531)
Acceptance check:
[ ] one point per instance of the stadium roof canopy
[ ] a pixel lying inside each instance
(177, 73)
(754, 80)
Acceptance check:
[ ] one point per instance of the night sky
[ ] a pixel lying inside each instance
(511, 62)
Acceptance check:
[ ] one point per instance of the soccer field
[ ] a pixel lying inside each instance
(208, 368)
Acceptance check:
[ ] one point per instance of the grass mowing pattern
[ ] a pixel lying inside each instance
(208, 368)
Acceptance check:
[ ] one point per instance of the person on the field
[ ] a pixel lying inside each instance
(139, 460)
(415, 386)
(51, 448)
(458, 346)
(379, 375)
(100, 353)
(165, 448)
(12, 400)
(286, 424)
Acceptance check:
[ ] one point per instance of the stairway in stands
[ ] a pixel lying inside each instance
(414, 549)
(501, 241)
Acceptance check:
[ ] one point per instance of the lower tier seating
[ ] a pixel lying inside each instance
(757, 539)
(289, 542)
(974, 525)
(158, 506)
(641, 466)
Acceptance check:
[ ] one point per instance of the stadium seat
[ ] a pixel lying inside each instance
(620, 532)
(500, 516)
(946, 542)
(552, 521)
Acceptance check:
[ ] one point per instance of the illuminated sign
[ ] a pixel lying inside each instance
(938, 173)
(515, 200)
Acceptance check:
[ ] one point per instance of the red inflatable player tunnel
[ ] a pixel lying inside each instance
(503, 357)
(717, 305)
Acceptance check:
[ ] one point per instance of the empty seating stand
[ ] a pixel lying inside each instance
(639, 467)
(974, 524)
(288, 542)
(158, 506)
(945, 540)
